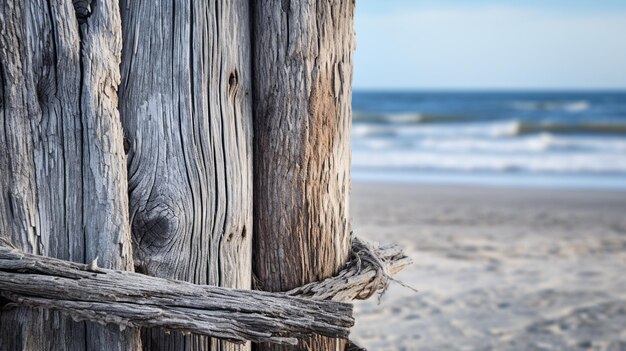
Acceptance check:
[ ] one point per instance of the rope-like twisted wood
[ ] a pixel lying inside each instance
(369, 270)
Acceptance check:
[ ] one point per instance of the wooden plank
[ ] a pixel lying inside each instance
(63, 171)
(302, 71)
(185, 104)
(132, 299)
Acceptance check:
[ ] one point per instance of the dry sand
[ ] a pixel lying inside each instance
(497, 269)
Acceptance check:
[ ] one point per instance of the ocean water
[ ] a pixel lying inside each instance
(537, 139)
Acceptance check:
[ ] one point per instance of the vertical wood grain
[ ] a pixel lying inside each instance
(62, 166)
(302, 71)
(186, 109)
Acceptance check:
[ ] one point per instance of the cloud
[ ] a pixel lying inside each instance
(490, 47)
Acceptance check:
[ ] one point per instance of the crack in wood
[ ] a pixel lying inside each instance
(83, 9)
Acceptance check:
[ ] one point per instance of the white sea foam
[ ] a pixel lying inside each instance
(533, 143)
(491, 129)
(578, 106)
(586, 162)
(476, 129)
(403, 117)
(571, 106)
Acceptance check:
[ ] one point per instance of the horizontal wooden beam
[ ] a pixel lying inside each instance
(87, 292)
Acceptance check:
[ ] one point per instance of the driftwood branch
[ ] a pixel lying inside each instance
(87, 292)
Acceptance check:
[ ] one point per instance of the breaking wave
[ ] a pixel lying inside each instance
(585, 162)
(558, 133)
(572, 106)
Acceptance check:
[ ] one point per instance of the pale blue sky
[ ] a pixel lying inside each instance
(487, 44)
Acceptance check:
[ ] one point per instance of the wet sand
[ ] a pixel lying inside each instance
(496, 269)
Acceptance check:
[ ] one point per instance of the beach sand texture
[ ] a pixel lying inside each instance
(496, 269)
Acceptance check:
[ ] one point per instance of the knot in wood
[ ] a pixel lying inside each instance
(157, 226)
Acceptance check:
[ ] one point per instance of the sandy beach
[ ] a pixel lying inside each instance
(496, 269)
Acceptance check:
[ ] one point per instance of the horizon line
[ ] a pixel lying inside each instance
(490, 90)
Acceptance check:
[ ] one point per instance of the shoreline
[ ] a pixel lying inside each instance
(513, 180)
(468, 186)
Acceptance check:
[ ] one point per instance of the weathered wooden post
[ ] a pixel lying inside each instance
(185, 103)
(302, 72)
(62, 166)
(184, 129)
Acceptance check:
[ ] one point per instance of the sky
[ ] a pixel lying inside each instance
(489, 44)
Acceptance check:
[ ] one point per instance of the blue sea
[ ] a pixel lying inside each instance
(520, 139)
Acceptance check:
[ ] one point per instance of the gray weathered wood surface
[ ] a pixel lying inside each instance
(132, 299)
(302, 72)
(185, 103)
(62, 166)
